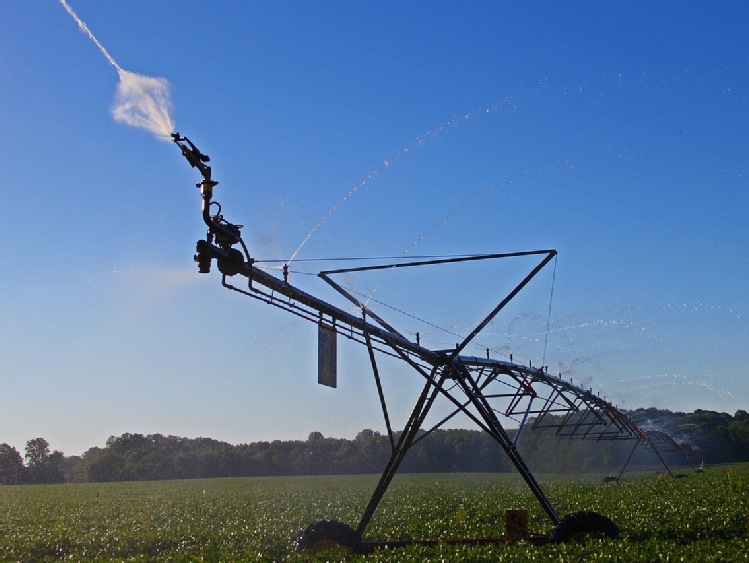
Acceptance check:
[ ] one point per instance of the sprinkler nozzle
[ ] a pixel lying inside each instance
(193, 155)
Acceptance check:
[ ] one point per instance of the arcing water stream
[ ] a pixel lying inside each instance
(141, 101)
(432, 135)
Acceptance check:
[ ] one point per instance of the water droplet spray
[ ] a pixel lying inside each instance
(140, 101)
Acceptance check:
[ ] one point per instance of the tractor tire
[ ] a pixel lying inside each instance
(328, 535)
(579, 525)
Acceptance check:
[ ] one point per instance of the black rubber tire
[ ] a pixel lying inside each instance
(329, 534)
(578, 525)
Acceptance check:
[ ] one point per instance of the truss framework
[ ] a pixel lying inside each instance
(482, 389)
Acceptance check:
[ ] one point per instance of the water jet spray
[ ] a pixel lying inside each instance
(140, 101)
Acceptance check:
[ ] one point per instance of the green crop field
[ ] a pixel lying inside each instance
(704, 517)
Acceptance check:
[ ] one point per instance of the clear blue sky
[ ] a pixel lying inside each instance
(613, 132)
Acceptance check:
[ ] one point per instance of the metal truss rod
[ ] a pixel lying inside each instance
(549, 255)
(418, 414)
(471, 258)
(380, 392)
(626, 463)
(500, 435)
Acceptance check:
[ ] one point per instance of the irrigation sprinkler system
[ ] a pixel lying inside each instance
(481, 388)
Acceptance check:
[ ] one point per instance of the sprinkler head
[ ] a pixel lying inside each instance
(193, 155)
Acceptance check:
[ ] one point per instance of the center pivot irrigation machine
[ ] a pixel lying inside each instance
(481, 388)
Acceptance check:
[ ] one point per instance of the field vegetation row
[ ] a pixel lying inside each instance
(703, 517)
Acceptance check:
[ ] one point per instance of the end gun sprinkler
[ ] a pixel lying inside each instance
(226, 235)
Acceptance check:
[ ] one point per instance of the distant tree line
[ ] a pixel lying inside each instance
(715, 437)
(41, 465)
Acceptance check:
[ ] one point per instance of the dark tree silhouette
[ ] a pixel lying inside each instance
(12, 471)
